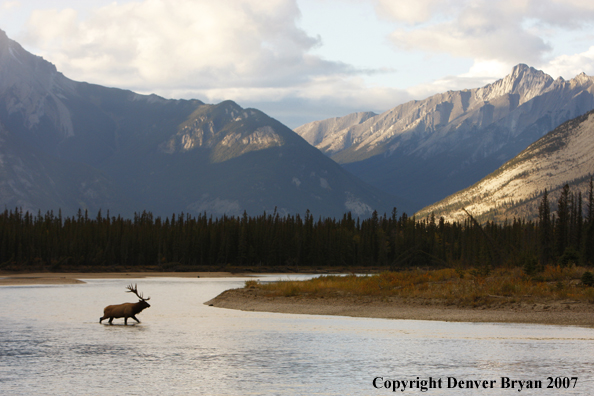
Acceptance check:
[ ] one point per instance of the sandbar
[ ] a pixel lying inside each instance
(47, 278)
(566, 313)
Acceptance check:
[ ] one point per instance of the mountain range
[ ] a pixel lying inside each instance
(426, 150)
(68, 145)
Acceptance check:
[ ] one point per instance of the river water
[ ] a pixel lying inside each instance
(52, 344)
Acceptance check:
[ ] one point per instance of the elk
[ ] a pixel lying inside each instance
(126, 310)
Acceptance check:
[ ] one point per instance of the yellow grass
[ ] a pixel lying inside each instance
(456, 287)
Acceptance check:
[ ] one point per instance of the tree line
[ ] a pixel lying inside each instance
(184, 242)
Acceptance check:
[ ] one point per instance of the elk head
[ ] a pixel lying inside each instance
(143, 301)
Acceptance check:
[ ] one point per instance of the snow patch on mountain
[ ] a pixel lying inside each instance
(356, 206)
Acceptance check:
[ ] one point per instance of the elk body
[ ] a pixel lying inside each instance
(126, 310)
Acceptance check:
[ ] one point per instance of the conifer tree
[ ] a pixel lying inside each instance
(545, 230)
(588, 240)
(562, 223)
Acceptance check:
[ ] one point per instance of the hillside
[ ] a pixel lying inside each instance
(565, 155)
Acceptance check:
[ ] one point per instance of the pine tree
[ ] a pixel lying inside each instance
(588, 239)
(545, 230)
(591, 201)
(562, 223)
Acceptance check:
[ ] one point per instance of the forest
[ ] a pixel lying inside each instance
(270, 242)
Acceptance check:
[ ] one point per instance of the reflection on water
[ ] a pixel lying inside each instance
(51, 342)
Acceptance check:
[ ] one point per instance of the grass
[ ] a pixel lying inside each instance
(468, 288)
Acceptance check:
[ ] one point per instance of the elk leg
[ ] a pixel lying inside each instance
(110, 320)
(101, 318)
(125, 321)
(134, 317)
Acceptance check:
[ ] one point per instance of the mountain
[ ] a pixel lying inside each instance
(426, 150)
(69, 145)
(563, 156)
(31, 179)
(315, 132)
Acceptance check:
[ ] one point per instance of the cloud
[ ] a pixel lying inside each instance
(483, 29)
(9, 5)
(480, 74)
(321, 98)
(257, 54)
(510, 31)
(249, 51)
(495, 35)
(568, 66)
(560, 13)
(413, 12)
(193, 45)
(567, 14)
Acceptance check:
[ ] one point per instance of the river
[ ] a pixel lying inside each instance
(51, 343)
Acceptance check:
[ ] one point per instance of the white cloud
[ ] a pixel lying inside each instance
(322, 97)
(510, 31)
(192, 45)
(414, 12)
(483, 29)
(492, 68)
(568, 14)
(9, 5)
(249, 51)
(495, 35)
(568, 66)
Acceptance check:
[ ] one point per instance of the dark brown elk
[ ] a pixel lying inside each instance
(126, 310)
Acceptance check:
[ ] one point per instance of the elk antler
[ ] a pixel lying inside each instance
(135, 291)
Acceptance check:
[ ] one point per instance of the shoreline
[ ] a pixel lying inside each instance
(554, 312)
(563, 313)
(57, 278)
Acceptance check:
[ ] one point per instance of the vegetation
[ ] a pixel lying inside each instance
(588, 279)
(447, 286)
(271, 242)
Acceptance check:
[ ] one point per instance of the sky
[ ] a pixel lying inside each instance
(303, 60)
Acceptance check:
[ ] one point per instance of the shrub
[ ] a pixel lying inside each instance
(530, 265)
(250, 284)
(570, 257)
(588, 279)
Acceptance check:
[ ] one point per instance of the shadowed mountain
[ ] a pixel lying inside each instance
(69, 145)
(426, 150)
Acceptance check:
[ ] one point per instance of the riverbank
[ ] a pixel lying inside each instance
(49, 278)
(554, 312)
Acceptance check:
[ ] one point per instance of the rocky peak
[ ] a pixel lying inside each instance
(582, 79)
(15, 58)
(32, 87)
(315, 132)
(525, 81)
